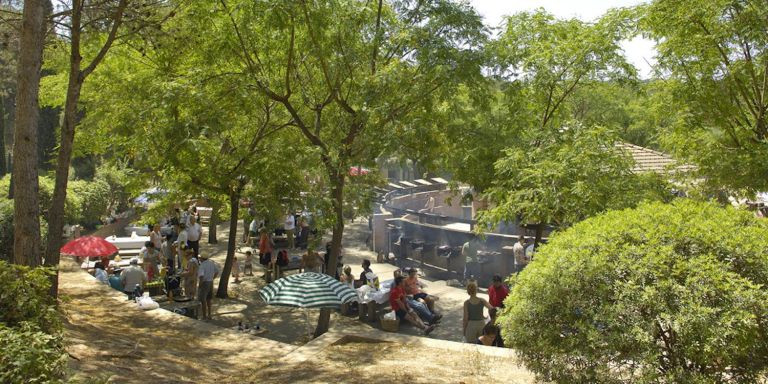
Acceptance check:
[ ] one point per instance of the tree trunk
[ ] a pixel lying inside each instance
(26, 217)
(3, 165)
(324, 320)
(234, 206)
(56, 212)
(213, 223)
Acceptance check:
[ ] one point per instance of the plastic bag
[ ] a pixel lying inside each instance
(390, 316)
(146, 303)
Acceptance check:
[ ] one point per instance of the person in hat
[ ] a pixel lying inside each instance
(131, 277)
(207, 271)
(497, 292)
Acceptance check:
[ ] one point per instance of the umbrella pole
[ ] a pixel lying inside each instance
(309, 325)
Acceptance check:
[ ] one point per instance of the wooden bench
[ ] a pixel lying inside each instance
(276, 270)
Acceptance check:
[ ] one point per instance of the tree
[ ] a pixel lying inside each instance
(660, 293)
(195, 137)
(544, 62)
(712, 55)
(346, 70)
(78, 21)
(26, 242)
(568, 177)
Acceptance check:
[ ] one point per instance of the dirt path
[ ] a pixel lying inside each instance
(112, 339)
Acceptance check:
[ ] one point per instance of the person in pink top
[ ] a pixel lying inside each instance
(414, 287)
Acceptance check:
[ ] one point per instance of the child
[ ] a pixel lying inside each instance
(236, 270)
(248, 269)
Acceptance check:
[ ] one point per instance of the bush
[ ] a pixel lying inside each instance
(665, 293)
(93, 198)
(30, 328)
(30, 356)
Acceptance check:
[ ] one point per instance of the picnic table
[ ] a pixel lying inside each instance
(371, 300)
(128, 242)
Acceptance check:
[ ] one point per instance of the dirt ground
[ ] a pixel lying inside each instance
(387, 362)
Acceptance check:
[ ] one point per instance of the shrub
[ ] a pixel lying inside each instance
(30, 355)
(30, 328)
(665, 293)
(93, 199)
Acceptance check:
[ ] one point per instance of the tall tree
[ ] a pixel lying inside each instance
(345, 71)
(713, 56)
(26, 218)
(86, 22)
(545, 61)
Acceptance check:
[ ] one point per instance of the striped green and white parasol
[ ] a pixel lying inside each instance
(308, 290)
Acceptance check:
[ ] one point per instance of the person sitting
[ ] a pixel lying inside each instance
(499, 341)
(366, 269)
(100, 274)
(402, 310)
(490, 332)
(497, 292)
(421, 309)
(133, 277)
(413, 287)
(347, 278)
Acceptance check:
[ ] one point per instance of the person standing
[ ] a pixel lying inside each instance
(207, 271)
(194, 233)
(469, 251)
(497, 292)
(150, 259)
(155, 237)
(519, 251)
(190, 275)
(290, 228)
(474, 318)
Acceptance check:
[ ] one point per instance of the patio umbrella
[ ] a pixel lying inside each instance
(308, 290)
(88, 246)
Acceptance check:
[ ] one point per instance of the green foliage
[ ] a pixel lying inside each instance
(30, 328)
(567, 177)
(6, 230)
(93, 198)
(713, 54)
(665, 293)
(30, 356)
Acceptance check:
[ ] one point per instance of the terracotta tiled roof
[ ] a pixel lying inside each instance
(648, 160)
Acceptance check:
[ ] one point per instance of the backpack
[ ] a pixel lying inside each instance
(282, 258)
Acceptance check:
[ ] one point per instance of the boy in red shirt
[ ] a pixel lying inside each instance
(497, 292)
(401, 308)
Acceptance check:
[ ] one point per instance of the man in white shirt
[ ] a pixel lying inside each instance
(181, 243)
(521, 260)
(207, 271)
(131, 277)
(194, 232)
(290, 228)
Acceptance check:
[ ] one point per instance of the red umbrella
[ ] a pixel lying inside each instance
(89, 246)
(357, 171)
